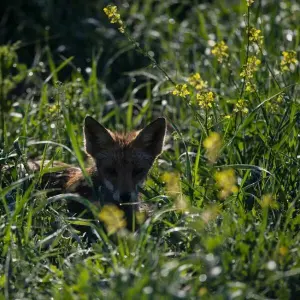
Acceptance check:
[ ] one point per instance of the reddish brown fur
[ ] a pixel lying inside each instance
(76, 177)
(124, 139)
(121, 163)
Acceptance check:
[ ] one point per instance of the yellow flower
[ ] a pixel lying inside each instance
(248, 72)
(112, 13)
(202, 291)
(250, 68)
(274, 106)
(54, 108)
(288, 61)
(241, 106)
(173, 189)
(250, 87)
(279, 99)
(226, 181)
(283, 250)
(268, 201)
(172, 181)
(213, 144)
(121, 28)
(181, 90)
(113, 218)
(140, 217)
(249, 2)
(196, 81)
(220, 51)
(205, 99)
(255, 35)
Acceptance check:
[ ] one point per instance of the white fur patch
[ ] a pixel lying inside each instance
(133, 196)
(108, 185)
(116, 196)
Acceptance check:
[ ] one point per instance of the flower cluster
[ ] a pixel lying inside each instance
(248, 72)
(213, 144)
(274, 105)
(205, 99)
(114, 17)
(226, 181)
(241, 106)
(181, 90)
(220, 51)
(250, 68)
(113, 218)
(255, 35)
(196, 81)
(289, 60)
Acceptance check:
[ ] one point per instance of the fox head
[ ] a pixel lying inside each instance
(123, 160)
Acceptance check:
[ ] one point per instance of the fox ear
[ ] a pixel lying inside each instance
(97, 137)
(151, 138)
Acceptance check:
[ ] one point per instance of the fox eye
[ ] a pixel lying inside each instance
(111, 171)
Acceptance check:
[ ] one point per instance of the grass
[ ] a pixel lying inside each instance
(226, 188)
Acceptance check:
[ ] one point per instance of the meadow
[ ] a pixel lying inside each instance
(226, 190)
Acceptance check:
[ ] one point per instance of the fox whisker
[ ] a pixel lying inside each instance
(130, 203)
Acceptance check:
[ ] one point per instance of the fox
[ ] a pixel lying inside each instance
(121, 162)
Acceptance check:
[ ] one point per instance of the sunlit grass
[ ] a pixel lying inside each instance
(225, 193)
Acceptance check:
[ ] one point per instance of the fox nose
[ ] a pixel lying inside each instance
(125, 197)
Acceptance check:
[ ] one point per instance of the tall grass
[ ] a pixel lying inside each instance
(226, 189)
